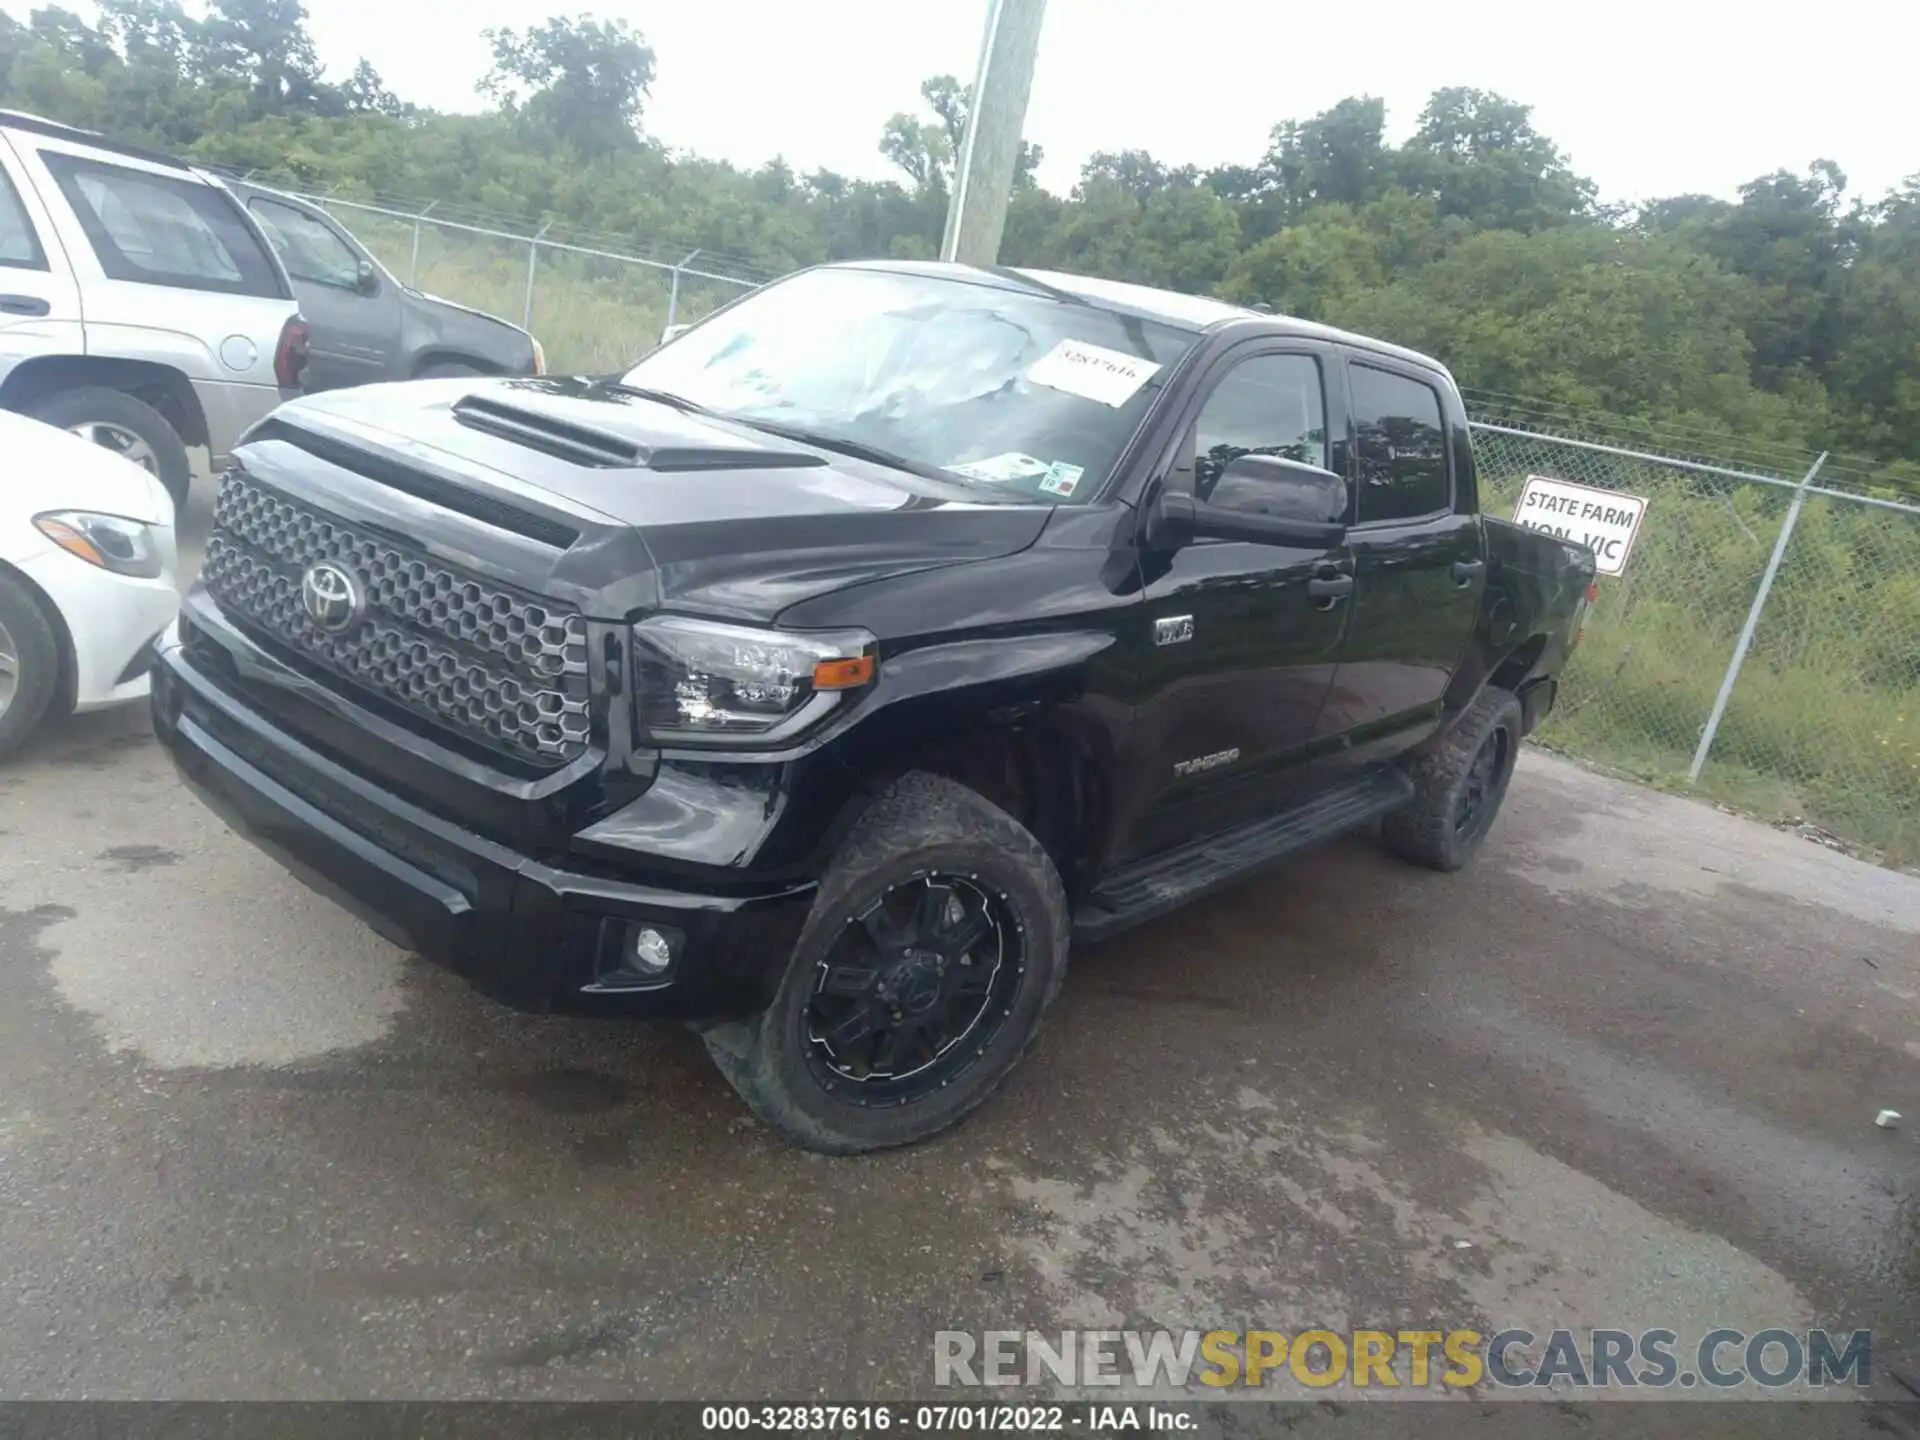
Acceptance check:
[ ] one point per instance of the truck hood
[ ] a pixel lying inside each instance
(731, 522)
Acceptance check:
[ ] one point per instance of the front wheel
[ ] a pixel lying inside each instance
(1458, 785)
(936, 943)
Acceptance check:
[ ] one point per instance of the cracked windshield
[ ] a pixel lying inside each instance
(1018, 396)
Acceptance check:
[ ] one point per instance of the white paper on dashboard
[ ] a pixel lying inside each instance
(1092, 372)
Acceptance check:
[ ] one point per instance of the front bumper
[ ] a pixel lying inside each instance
(532, 934)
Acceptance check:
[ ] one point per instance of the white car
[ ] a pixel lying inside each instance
(87, 576)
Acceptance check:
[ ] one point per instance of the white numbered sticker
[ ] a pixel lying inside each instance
(1002, 469)
(1092, 372)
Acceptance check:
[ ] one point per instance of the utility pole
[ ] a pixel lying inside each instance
(983, 171)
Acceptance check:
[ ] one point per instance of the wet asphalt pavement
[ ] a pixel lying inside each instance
(1631, 1058)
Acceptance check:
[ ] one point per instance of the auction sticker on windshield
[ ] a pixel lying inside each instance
(1061, 478)
(1002, 469)
(1092, 372)
(1605, 521)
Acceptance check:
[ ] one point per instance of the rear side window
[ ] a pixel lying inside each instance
(1401, 444)
(19, 246)
(157, 230)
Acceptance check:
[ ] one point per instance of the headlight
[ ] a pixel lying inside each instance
(125, 547)
(699, 680)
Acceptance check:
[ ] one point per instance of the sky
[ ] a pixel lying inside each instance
(1648, 97)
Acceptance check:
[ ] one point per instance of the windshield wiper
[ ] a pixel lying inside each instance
(858, 449)
(663, 397)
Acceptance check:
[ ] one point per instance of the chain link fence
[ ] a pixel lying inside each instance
(597, 303)
(1763, 644)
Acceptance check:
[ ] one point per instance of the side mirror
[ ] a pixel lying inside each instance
(672, 331)
(366, 279)
(1263, 499)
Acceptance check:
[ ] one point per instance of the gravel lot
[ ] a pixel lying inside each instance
(1631, 1057)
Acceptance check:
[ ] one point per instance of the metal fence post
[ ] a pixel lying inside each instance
(533, 255)
(413, 268)
(1753, 621)
(673, 290)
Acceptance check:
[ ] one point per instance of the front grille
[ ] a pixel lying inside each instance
(495, 666)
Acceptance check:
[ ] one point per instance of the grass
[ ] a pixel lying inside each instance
(1823, 726)
(592, 315)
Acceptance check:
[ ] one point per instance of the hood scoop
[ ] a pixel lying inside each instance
(602, 449)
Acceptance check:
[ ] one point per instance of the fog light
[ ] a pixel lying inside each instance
(652, 950)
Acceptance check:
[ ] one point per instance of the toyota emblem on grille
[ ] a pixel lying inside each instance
(332, 597)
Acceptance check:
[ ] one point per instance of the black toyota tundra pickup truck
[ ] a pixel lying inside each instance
(820, 680)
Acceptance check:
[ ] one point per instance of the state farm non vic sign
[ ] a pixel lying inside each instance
(1605, 521)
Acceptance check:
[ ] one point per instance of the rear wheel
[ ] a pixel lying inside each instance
(130, 428)
(447, 370)
(29, 665)
(936, 944)
(1459, 785)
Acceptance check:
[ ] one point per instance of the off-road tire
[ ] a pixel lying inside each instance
(1428, 831)
(921, 823)
(448, 370)
(96, 404)
(38, 650)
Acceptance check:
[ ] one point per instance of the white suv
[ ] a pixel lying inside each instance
(140, 305)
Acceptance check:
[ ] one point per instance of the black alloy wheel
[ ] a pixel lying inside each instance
(915, 988)
(1472, 812)
(935, 944)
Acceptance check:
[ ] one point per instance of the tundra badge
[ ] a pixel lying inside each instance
(1172, 629)
(1206, 762)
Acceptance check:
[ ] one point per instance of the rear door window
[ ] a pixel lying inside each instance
(1401, 444)
(159, 230)
(19, 246)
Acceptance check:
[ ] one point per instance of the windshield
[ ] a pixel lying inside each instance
(1016, 395)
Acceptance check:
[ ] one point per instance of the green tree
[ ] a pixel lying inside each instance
(1790, 237)
(926, 150)
(1478, 156)
(584, 81)
(1876, 367)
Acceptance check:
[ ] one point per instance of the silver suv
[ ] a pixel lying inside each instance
(140, 305)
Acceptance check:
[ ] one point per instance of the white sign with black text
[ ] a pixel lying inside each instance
(1605, 521)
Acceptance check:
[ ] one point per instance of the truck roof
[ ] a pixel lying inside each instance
(1169, 307)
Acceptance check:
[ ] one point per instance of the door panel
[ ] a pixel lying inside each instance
(1238, 655)
(1412, 617)
(39, 301)
(1418, 569)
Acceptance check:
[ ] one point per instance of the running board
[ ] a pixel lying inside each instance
(1151, 887)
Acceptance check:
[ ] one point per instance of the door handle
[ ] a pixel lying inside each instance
(25, 305)
(1465, 570)
(1329, 588)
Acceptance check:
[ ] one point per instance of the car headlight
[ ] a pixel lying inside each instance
(701, 680)
(126, 547)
